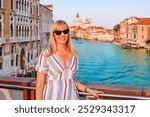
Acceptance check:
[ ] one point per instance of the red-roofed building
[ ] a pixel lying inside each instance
(137, 33)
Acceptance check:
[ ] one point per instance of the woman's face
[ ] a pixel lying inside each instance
(61, 35)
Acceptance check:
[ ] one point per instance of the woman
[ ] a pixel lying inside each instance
(57, 67)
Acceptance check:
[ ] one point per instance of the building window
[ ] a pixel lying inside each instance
(134, 36)
(142, 29)
(12, 4)
(17, 60)
(142, 36)
(22, 5)
(31, 30)
(0, 4)
(127, 35)
(17, 3)
(37, 8)
(28, 57)
(1, 51)
(25, 6)
(134, 29)
(12, 49)
(11, 26)
(0, 30)
(31, 9)
(31, 56)
(127, 29)
(12, 62)
(37, 31)
(27, 31)
(23, 31)
(1, 66)
(1, 26)
(17, 30)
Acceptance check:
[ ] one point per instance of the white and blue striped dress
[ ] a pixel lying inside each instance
(60, 84)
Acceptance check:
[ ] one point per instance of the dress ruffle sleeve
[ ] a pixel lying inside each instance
(42, 64)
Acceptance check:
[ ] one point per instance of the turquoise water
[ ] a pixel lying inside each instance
(106, 63)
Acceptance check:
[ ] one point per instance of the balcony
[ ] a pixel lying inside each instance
(23, 88)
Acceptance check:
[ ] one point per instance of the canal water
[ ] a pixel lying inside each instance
(106, 63)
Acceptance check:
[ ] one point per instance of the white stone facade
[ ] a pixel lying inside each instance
(20, 34)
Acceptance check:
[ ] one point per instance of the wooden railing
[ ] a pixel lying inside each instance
(27, 87)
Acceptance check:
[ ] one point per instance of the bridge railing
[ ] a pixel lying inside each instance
(22, 88)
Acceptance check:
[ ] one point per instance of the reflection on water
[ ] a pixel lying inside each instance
(110, 64)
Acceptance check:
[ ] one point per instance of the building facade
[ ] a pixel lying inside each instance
(135, 31)
(139, 33)
(123, 27)
(46, 21)
(20, 35)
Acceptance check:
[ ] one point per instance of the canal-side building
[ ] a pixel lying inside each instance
(139, 33)
(46, 20)
(135, 32)
(77, 21)
(20, 35)
(85, 30)
(123, 27)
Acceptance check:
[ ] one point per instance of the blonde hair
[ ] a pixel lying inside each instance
(53, 45)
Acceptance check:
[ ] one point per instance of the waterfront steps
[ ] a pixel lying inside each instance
(22, 88)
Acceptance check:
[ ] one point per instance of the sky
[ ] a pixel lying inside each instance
(105, 13)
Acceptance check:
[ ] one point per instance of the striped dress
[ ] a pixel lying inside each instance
(60, 84)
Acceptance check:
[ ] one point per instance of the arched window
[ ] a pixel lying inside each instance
(1, 51)
(28, 57)
(31, 29)
(27, 31)
(31, 8)
(11, 26)
(37, 30)
(142, 29)
(12, 4)
(0, 30)
(17, 60)
(1, 3)
(20, 31)
(17, 4)
(17, 30)
(1, 26)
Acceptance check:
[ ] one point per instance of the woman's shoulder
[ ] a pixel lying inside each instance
(75, 54)
(46, 52)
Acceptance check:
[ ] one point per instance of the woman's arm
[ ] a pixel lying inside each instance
(83, 88)
(80, 86)
(40, 82)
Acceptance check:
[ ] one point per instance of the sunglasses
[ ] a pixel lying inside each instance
(58, 32)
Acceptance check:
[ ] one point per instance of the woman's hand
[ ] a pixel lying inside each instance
(93, 92)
